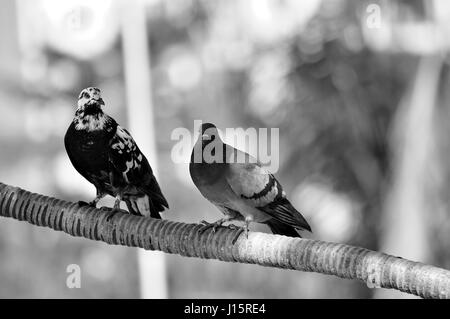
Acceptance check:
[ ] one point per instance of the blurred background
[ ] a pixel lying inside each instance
(358, 89)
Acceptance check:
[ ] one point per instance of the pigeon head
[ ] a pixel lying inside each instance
(209, 147)
(90, 100)
(89, 115)
(209, 133)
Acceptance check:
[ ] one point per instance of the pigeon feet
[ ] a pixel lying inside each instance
(113, 212)
(117, 202)
(83, 203)
(207, 225)
(116, 208)
(219, 223)
(94, 202)
(111, 215)
(243, 229)
(238, 234)
(216, 225)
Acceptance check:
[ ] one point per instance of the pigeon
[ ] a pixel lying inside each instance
(240, 187)
(106, 155)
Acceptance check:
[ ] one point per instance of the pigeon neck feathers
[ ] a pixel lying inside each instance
(91, 120)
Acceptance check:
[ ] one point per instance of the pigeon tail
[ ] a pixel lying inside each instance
(283, 211)
(143, 206)
(278, 228)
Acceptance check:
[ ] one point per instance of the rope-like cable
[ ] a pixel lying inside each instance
(374, 268)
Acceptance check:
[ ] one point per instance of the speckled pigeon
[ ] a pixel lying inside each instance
(107, 156)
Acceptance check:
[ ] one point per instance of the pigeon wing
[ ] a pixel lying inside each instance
(129, 161)
(260, 189)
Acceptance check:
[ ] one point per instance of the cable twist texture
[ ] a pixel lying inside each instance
(373, 268)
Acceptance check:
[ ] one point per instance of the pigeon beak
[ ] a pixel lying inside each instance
(205, 137)
(94, 102)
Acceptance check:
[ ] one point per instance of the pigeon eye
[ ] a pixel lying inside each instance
(86, 95)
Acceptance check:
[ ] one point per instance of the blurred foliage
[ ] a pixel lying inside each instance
(331, 95)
